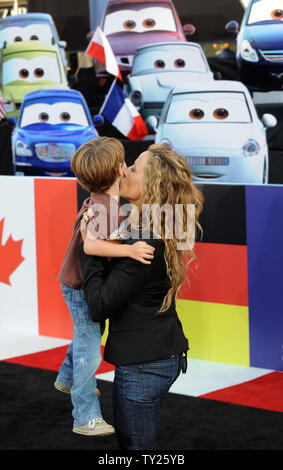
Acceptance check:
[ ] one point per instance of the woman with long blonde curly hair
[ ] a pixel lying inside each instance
(146, 342)
(167, 182)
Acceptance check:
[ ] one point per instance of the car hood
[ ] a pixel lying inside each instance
(17, 92)
(265, 35)
(156, 86)
(210, 138)
(127, 43)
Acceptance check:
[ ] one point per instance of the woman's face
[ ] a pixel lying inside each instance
(131, 182)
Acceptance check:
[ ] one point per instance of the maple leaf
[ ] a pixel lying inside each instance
(10, 256)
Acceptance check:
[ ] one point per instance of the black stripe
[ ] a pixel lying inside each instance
(223, 219)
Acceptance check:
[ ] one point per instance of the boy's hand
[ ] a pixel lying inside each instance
(83, 226)
(142, 252)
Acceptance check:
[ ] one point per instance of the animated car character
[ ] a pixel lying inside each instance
(215, 127)
(30, 27)
(131, 24)
(158, 67)
(260, 46)
(27, 66)
(52, 124)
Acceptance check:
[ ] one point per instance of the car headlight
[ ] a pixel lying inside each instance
(251, 148)
(247, 52)
(22, 149)
(167, 142)
(136, 98)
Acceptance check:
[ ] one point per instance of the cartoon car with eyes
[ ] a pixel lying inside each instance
(27, 66)
(31, 27)
(52, 124)
(160, 66)
(131, 24)
(259, 45)
(215, 127)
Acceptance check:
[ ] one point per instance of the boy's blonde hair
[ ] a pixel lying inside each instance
(96, 163)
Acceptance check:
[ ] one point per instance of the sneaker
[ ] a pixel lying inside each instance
(67, 389)
(62, 387)
(95, 427)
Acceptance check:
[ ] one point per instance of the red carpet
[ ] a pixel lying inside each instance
(52, 360)
(265, 392)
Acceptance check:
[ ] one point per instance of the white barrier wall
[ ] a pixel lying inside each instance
(18, 284)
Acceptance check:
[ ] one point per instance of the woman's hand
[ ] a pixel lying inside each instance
(142, 252)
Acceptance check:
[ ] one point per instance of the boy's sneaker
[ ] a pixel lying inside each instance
(67, 389)
(95, 427)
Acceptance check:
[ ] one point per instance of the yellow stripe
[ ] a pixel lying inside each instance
(216, 332)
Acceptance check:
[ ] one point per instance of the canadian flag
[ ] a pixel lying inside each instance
(100, 49)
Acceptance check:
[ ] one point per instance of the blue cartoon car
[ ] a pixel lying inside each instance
(260, 45)
(52, 124)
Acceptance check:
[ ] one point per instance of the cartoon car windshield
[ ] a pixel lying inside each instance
(135, 18)
(168, 58)
(209, 107)
(266, 10)
(57, 113)
(25, 31)
(29, 67)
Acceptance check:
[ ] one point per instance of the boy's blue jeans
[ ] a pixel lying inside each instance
(137, 395)
(82, 359)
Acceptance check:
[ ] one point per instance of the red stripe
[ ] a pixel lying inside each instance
(52, 360)
(55, 212)
(97, 51)
(139, 130)
(264, 392)
(220, 275)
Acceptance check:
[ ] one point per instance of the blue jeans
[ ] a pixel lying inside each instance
(137, 395)
(82, 359)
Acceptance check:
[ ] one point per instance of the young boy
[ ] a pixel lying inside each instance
(98, 166)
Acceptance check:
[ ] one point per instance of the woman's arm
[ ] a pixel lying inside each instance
(107, 294)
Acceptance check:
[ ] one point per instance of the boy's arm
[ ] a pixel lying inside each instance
(139, 251)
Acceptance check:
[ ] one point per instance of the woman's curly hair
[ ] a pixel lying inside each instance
(167, 182)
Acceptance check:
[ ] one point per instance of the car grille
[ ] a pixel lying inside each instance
(54, 152)
(273, 56)
(208, 161)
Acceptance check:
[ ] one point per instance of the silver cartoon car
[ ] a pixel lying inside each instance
(214, 125)
(160, 66)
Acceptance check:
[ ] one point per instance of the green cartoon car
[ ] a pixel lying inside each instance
(28, 66)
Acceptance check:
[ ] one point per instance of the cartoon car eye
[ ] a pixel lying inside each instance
(43, 117)
(24, 73)
(220, 113)
(179, 63)
(18, 38)
(65, 116)
(129, 24)
(149, 23)
(34, 37)
(38, 72)
(277, 14)
(159, 64)
(196, 113)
